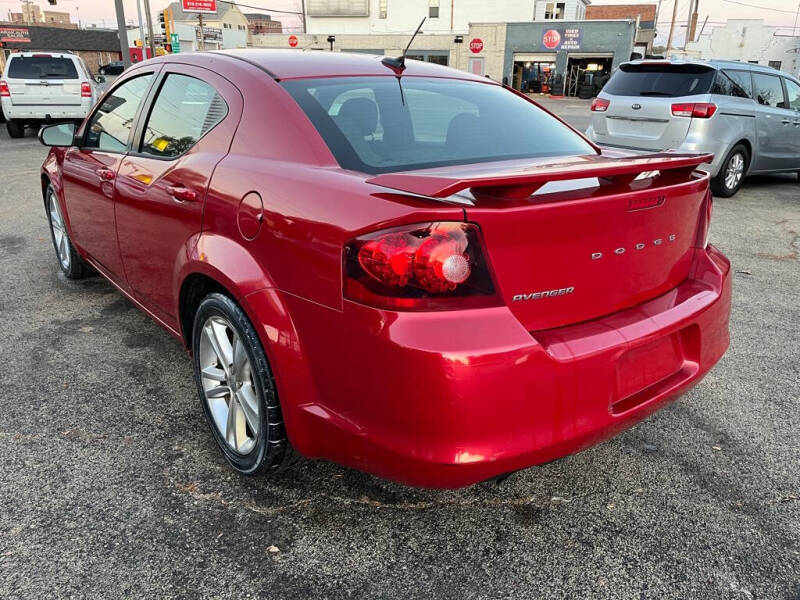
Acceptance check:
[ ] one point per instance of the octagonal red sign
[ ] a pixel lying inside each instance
(293, 40)
(551, 38)
(476, 45)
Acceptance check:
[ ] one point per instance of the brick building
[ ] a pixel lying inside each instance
(95, 46)
(258, 23)
(644, 14)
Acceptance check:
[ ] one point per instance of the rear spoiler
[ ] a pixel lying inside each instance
(520, 181)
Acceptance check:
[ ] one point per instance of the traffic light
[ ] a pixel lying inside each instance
(51, 2)
(162, 19)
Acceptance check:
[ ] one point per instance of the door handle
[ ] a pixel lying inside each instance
(182, 194)
(106, 174)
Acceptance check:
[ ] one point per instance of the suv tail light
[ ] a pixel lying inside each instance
(431, 266)
(698, 110)
(86, 90)
(600, 104)
(4, 91)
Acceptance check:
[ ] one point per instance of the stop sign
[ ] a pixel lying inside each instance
(293, 40)
(476, 45)
(551, 38)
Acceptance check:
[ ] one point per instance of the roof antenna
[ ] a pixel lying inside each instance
(399, 63)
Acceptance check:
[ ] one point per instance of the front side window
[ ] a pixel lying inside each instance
(111, 125)
(793, 91)
(733, 83)
(769, 90)
(183, 112)
(386, 124)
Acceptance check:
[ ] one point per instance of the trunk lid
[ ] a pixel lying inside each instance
(43, 80)
(580, 238)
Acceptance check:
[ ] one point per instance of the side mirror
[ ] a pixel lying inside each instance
(99, 79)
(62, 134)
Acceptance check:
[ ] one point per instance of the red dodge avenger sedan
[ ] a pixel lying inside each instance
(403, 268)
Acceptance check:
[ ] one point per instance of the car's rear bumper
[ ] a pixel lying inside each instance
(43, 114)
(448, 399)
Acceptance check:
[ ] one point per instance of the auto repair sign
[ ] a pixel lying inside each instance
(15, 35)
(562, 39)
(199, 6)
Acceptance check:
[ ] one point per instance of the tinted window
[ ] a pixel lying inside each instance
(769, 90)
(372, 124)
(794, 94)
(111, 125)
(183, 112)
(667, 81)
(41, 67)
(733, 83)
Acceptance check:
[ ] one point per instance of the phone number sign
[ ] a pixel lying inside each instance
(199, 6)
(562, 39)
(15, 35)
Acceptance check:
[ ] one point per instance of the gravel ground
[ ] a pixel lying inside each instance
(112, 486)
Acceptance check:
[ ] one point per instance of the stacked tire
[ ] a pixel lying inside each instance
(585, 92)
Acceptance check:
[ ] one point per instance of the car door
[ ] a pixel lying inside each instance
(90, 168)
(185, 131)
(793, 99)
(774, 124)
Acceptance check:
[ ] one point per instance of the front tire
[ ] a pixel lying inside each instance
(15, 129)
(236, 388)
(731, 172)
(71, 263)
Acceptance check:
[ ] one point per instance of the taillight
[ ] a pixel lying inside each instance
(433, 266)
(698, 110)
(4, 91)
(704, 222)
(600, 104)
(86, 90)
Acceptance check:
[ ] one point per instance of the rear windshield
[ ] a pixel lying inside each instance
(41, 67)
(384, 124)
(668, 81)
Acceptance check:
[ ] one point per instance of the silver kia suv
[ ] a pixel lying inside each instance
(746, 114)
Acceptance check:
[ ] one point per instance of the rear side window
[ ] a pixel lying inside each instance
(769, 90)
(733, 83)
(41, 67)
(385, 124)
(110, 126)
(794, 94)
(660, 80)
(183, 112)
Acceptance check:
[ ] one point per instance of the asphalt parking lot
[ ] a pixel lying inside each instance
(112, 485)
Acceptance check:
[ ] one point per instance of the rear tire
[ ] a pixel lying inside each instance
(732, 172)
(71, 264)
(15, 129)
(236, 388)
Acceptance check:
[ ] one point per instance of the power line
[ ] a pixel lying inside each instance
(791, 12)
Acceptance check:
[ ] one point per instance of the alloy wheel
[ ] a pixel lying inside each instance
(734, 171)
(60, 237)
(227, 378)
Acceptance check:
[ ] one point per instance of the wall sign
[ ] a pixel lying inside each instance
(562, 39)
(18, 35)
(200, 6)
(293, 41)
(476, 45)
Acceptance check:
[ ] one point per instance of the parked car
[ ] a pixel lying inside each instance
(115, 67)
(380, 265)
(747, 115)
(41, 87)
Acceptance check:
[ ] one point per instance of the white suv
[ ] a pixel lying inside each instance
(40, 87)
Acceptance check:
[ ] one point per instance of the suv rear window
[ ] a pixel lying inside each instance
(41, 67)
(384, 124)
(667, 81)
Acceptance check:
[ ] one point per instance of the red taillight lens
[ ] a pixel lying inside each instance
(434, 266)
(86, 90)
(600, 104)
(4, 91)
(698, 110)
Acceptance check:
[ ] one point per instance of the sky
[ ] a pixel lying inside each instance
(774, 12)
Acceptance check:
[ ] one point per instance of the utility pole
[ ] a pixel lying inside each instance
(202, 44)
(122, 31)
(671, 27)
(303, 8)
(691, 22)
(149, 28)
(141, 23)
